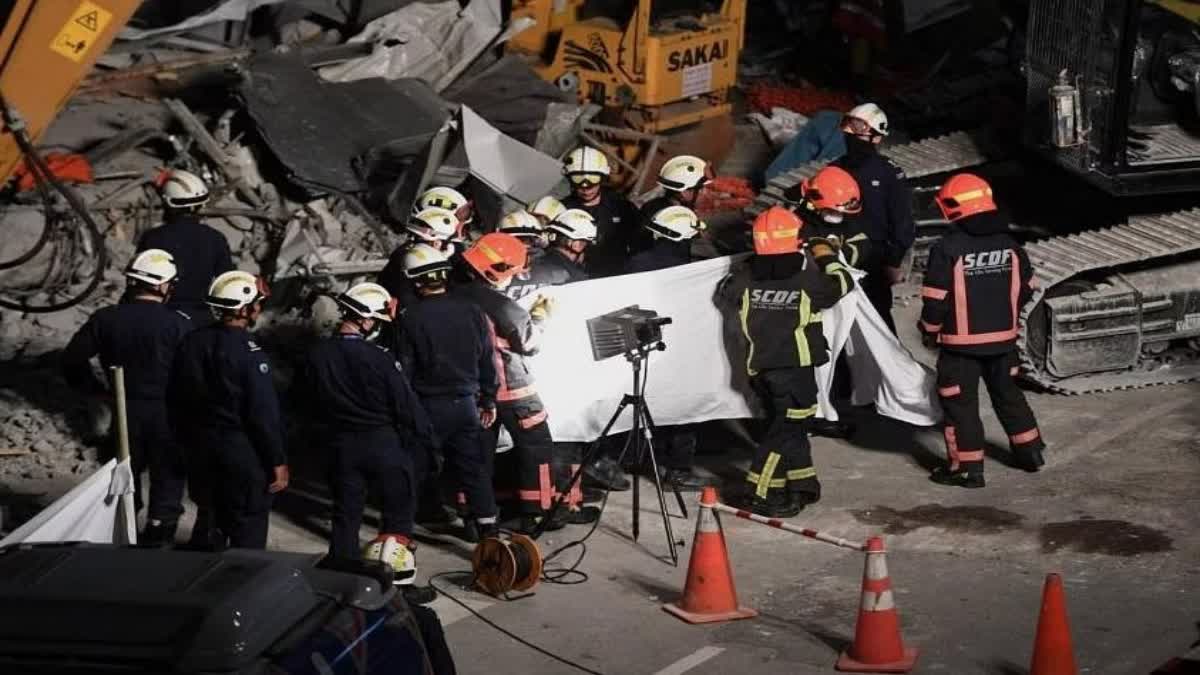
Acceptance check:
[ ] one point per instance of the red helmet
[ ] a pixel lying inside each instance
(776, 232)
(965, 194)
(497, 257)
(833, 189)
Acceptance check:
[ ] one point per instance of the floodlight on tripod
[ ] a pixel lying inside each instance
(630, 330)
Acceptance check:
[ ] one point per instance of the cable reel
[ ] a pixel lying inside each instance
(510, 562)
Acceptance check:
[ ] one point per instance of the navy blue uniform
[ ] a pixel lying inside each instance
(886, 220)
(140, 336)
(373, 426)
(550, 268)
(447, 351)
(201, 253)
(225, 411)
(618, 227)
(661, 255)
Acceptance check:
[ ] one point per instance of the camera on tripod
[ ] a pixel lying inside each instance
(630, 330)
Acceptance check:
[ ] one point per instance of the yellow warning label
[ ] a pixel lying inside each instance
(81, 31)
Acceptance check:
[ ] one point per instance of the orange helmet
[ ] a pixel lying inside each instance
(776, 232)
(833, 189)
(497, 257)
(965, 194)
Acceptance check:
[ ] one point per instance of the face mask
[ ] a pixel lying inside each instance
(857, 147)
(833, 217)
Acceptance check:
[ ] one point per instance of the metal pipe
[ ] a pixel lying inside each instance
(780, 525)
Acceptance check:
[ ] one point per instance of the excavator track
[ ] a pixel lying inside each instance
(1060, 259)
(941, 154)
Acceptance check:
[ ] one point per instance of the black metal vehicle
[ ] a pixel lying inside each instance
(79, 608)
(1112, 91)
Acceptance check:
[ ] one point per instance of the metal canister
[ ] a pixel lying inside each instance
(1064, 113)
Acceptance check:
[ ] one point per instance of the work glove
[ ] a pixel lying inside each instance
(822, 247)
(542, 308)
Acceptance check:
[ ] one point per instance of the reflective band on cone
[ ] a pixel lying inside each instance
(878, 646)
(708, 593)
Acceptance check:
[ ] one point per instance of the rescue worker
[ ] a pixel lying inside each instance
(682, 178)
(435, 227)
(199, 251)
(370, 421)
(140, 334)
(446, 348)
(529, 229)
(617, 219)
(454, 201)
(976, 282)
(672, 230)
(570, 234)
(224, 410)
(781, 296)
(830, 205)
(886, 200)
(546, 209)
(488, 268)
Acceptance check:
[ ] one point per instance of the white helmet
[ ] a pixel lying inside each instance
(677, 223)
(521, 224)
(872, 115)
(433, 225)
(547, 207)
(367, 301)
(153, 266)
(683, 173)
(575, 225)
(234, 290)
(423, 259)
(183, 189)
(445, 198)
(393, 551)
(586, 160)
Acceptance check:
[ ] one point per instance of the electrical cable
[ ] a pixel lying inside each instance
(541, 650)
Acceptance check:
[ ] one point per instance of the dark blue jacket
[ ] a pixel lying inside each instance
(200, 252)
(618, 226)
(139, 335)
(355, 385)
(661, 255)
(446, 349)
(220, 384)
(887, 216)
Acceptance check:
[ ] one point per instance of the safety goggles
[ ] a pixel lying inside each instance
(585, 180)
(859, 127)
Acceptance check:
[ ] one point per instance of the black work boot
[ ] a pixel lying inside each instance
(158, 533)
(1029, 460)
(528, 523)
(585, 515)
(776, 505)
(823, 427)
(606, 474)
(418, 595)
(805, 498)
(958, 478)
(685, 480)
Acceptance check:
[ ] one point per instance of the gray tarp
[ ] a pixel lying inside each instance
(319, 130)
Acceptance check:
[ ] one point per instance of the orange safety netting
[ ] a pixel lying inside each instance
(725, 193)
(763, 96)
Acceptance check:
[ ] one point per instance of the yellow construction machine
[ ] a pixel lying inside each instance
(47, 47)
(666, 64)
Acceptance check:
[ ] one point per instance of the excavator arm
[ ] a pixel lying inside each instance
(46, 49)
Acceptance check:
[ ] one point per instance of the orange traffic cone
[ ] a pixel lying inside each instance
(708, 595)
(1052, 650)
(878, 647)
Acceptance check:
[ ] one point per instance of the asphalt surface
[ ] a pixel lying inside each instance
(1114, 511)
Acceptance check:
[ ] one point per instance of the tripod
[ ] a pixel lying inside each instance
(641, 441)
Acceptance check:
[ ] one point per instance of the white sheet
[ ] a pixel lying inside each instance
(98, 510)
(693, 380)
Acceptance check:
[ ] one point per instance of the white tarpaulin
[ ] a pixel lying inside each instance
(232, 10)
(505, 164)
(98, 510)
(433, 42)
(694, 380)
